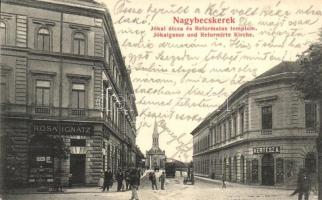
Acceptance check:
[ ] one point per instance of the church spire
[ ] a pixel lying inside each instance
(155, 135)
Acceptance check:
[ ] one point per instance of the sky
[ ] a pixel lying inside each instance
(186, 57)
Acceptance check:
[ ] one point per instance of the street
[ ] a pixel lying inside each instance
(174, 189)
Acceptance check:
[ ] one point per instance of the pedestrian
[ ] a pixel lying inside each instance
(133, 183)
(127, 179)
(105, 182)
(303, 185)
(162, 180)
(138, 173)
(223, 181)
(101, 180)
(154, 181)
(119, 179)
(108, 180)
(70, 178)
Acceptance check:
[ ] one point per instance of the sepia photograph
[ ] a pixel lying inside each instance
(160, 100)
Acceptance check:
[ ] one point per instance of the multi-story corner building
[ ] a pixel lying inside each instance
(64, 88)
(263, 133)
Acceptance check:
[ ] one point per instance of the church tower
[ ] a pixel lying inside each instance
(155, 136)
(155, 157)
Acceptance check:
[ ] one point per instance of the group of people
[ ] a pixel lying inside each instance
(125, 179)
(153, 179)
(131, 177)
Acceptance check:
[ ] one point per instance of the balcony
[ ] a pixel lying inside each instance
(42, 110)
(311, 131)
(266, 131)
(78, 112)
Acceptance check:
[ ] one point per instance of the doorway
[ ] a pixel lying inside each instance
(268, 169)
(77, 168)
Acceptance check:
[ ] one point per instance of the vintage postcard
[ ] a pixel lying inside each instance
(161, 100)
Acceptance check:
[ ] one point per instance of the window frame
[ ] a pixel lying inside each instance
(43, 87)
(5, 31)
(43, 42)
(264, 115)
(313, 114)
(73, 43)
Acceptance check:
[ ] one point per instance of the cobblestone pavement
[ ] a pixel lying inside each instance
(174, 190)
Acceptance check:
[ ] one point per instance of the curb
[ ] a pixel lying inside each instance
(219, 182)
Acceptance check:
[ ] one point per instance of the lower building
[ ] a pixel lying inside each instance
(263, 134)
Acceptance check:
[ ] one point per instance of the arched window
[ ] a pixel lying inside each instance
(3, 32)
(43, 39)
(79, 44)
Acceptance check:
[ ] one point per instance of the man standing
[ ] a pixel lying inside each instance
(134, 183)
(106, 183)
(154, 181)
(303, 185)
(162, 180)
(119, 179)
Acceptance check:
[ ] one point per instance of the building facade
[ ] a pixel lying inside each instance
(263, 134)
(65, 90)
(155, 157)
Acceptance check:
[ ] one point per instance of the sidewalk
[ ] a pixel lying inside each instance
(231, 184)
(67, 190)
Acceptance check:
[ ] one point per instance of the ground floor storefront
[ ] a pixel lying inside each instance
(263, 162)
(40, 152)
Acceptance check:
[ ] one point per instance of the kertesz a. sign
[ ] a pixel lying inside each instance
(272, 149)
(62, 128)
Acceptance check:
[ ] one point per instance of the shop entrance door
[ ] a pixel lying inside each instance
(268, 169)
(77, 168)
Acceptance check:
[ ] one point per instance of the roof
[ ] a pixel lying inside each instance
(87, 3)
(285, 67)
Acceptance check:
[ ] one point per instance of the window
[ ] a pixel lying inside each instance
(43, 39)
(267, 117)
(241, 121)
(310, 115)
(3, 92)
(230, 133)
(78, 96)
(78, 142)
(79, 44)
(3, 33)
(234, 124)
(42, 93)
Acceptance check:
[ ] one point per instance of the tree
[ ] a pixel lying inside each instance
(309, 83)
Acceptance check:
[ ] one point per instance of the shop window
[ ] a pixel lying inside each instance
(3, 33)
(78, 96)
(43, 39)
(310, 162)
(235, 169)
(254, 171)
(242, 170)
(310, 115)
(279, 170)
(42, 93)
(267, 117)
(79, 44)
(78, 142)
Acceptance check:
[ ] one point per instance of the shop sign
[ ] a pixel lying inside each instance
(40, 158)
(272, 149)
(62, 128)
